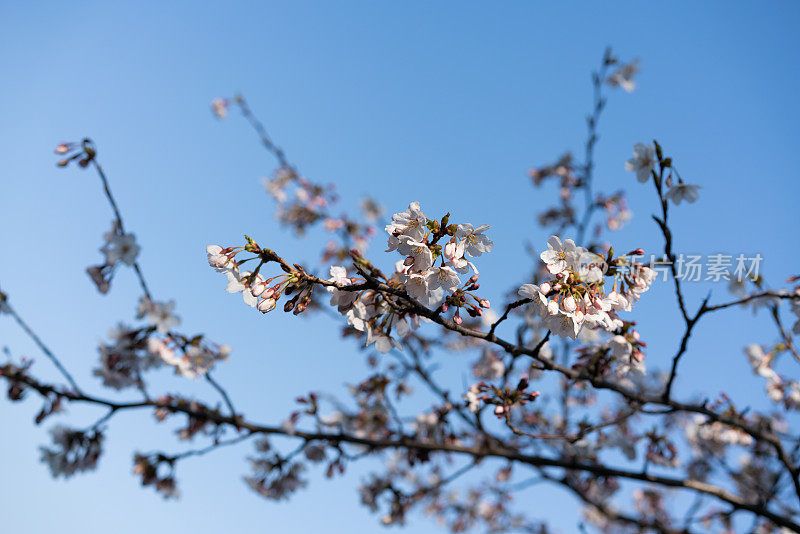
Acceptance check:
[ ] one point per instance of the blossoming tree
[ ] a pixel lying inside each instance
(560, 391)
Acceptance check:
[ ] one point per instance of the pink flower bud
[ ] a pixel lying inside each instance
(258, 289)
(545, 288)
(266, 305)
(450, 250)
(569, 303)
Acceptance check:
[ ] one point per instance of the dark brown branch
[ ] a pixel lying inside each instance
(488, 449)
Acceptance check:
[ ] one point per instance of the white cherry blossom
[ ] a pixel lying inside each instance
(410, 223)
(475, 241)
(680, 192)
(623, 77)
(383, 343)
(219, 106)
(565, 324)
(343, 300)
(237, 284)
(620, 347)
(443, 277)
(120, 248)
(160, 315)
(559, 256)
(471, 397)
(420, 257)
(643, 161)
(538, 294)
(416, 285)
(760, 361)
(217, 259)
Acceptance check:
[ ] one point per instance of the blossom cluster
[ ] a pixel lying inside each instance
(190, 357)
(302, 203)
(569, 180)
(273, 477)
(72, 452)
(119, 247)
(134, 350)
(147, 468)
(257, 292)
(623, 76)
(503, 399)
(125, 358)
(576, 295)
(429, 275)
(706, 436)
(778, 388)
(415, 237)
(579, 293)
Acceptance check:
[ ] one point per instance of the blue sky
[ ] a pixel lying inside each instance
(446, 103)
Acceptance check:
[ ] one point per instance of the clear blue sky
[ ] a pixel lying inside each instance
(448, 103)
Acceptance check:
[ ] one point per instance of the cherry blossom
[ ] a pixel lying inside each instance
(475, 241)
(623, 76)
(420, 257)
(219, 106)
(443, 277)
(416, 285)
(682, 191)
(120, 248)
(372, 210)
(643, 161)
(124, 360)
(576, 296)
(607, 428)
(159, 314)
(410, 223)
(343, 300)
(218, 258)
(560, 256)
(538, 294)
(73, 451)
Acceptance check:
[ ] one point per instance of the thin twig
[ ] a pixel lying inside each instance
(45, 350)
